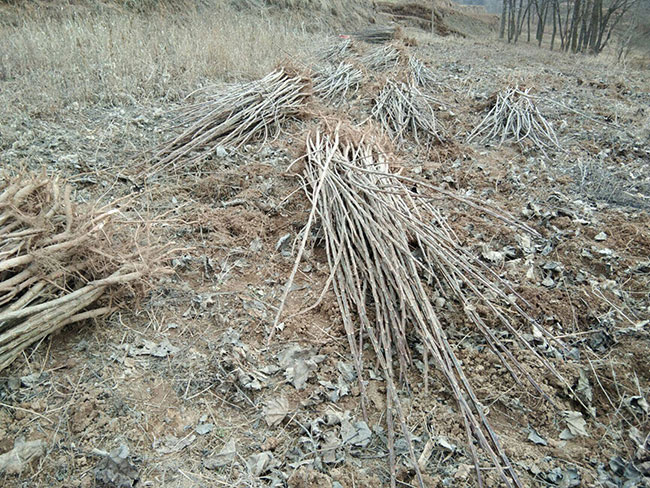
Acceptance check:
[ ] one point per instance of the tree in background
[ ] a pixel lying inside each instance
(583, 26)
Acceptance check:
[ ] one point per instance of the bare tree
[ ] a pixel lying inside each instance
(584, 26)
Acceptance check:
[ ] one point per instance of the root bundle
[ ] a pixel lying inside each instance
(388, 246)
(402, 108)
(55, 262)
(515, 117)
(237, 115)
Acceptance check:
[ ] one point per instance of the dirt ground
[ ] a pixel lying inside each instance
(184, 378)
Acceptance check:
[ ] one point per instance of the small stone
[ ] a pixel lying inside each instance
(221, 152)
(203, 429)
(548, 282)
(601, 236)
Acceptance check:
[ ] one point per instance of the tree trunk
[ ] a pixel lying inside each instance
(594, 26)
(575, 23)
(504, 14)
(555, 13)
(564, 33)
(543, 29)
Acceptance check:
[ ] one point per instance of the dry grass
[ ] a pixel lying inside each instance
(121, 57)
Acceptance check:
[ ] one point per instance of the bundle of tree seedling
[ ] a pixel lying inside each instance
(420, 73)
(514, 117)
(59, 263)
(388, 247)
(401, 109)
(375, 35)
(236, 115)
(336, 50)
(382, 58)
(333, 84)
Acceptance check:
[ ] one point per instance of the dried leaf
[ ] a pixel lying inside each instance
(171, 443)
(115, 469)
(14, 461)
(575, 425)
(357, 434)
(258, 464)
(223, 458)
(276, 410)
(534, 437)
(203, 428)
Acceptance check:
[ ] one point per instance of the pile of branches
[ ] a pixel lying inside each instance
(56, 262)
(387, 247)
(420, 73)
(333, 84)
(515, 117)
(382, 58)
(337, 50)
(375, 35)
(402, 108)
(236, 115)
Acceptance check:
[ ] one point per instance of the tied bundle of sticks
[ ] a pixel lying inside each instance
(55, 262)
(402, 108)
(515, 117)
(375, 35)
(420, 73)
(387, 246)
(236, 115)
(382, 58)
(336, 50)
(334, 84)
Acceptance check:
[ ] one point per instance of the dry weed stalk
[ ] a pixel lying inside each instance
(402, 108)
(55, 262)
(387, 246)
(233, 117)
(334, 84)
(514, 117)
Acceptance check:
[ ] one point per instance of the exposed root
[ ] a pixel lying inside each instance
(420, 73)
(55, 262)
(382, 58)
(336, 51)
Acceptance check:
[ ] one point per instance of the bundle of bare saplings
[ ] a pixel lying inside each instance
(60, 263)
(389, 246)
(240, 113)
